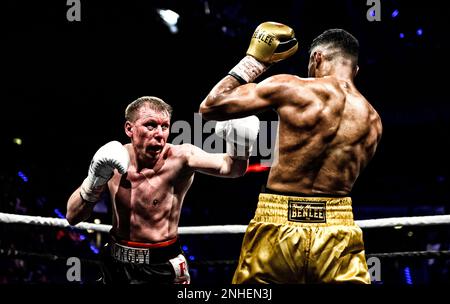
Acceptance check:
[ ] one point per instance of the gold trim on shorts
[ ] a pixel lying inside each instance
(304, 211)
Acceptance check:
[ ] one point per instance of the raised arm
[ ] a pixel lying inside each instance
(235, 95)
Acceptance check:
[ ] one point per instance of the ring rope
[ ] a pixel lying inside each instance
(445, 254)
(222, 229)
(14, 253)
(412, 254)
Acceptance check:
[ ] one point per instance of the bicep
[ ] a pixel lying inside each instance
(247, 100)
(241, 101)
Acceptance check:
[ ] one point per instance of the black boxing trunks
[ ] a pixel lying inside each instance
(294, 239)
(131, 262)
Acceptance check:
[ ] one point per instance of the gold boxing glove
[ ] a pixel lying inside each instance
(270, 37)
(271, 42)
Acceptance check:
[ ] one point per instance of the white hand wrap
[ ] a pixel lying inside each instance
(248, 69)
(111, 156)
(239, 134)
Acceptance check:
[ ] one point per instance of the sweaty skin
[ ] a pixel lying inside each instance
(327, 132)
(147, 203)
(147, 200)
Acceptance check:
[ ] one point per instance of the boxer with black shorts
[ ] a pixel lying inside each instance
(303, 229)
(147, 181)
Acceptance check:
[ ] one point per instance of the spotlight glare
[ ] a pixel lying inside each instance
(22, 176)
(257, 168)
(94, 249)
(59, 213)
(419, 32)
(17, 141)
(407, 274)
(394, 13)
(170, 18)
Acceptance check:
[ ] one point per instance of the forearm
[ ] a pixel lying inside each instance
(214, 106)
(236, 95)
(78, 210)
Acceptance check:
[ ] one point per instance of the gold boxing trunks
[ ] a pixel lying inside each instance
(302, 240)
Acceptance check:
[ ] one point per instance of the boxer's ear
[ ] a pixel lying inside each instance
(128, 129)
(318, 58)
(355, 70)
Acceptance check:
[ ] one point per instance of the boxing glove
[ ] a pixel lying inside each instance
(112, 155)
(239, 134)
(271, 42)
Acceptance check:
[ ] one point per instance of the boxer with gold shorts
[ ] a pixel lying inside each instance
(327, 133)
(306, 240)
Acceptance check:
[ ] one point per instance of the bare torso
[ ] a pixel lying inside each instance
(325, 137)
(147, 203)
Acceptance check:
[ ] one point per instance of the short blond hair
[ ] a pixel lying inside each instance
(154, 103)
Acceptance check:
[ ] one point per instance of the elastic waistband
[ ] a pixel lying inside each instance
(271, 191)
(144, 253)
(146, 245)
(304, 211)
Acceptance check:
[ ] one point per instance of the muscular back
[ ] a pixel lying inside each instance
(327, 134)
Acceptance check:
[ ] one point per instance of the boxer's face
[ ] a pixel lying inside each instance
(149, 133)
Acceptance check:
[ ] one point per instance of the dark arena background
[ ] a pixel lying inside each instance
(65, 85)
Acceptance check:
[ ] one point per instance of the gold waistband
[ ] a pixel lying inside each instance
(301, 211)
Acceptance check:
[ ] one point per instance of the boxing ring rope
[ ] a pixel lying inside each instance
(396, 222)
(223, 229)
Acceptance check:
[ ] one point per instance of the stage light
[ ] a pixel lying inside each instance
(407, 273)
(17, 141)
(94, 249)
(58, 213)
(394, 14)
(402, 35)
(206, 7)
(22, 176)
(419, 32)
(170, 18)
(257, 168)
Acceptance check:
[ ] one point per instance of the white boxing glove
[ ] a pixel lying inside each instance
(239, 134)
(112, 155)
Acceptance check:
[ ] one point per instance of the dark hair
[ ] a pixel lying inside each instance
(339, 39)
(155, 103)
